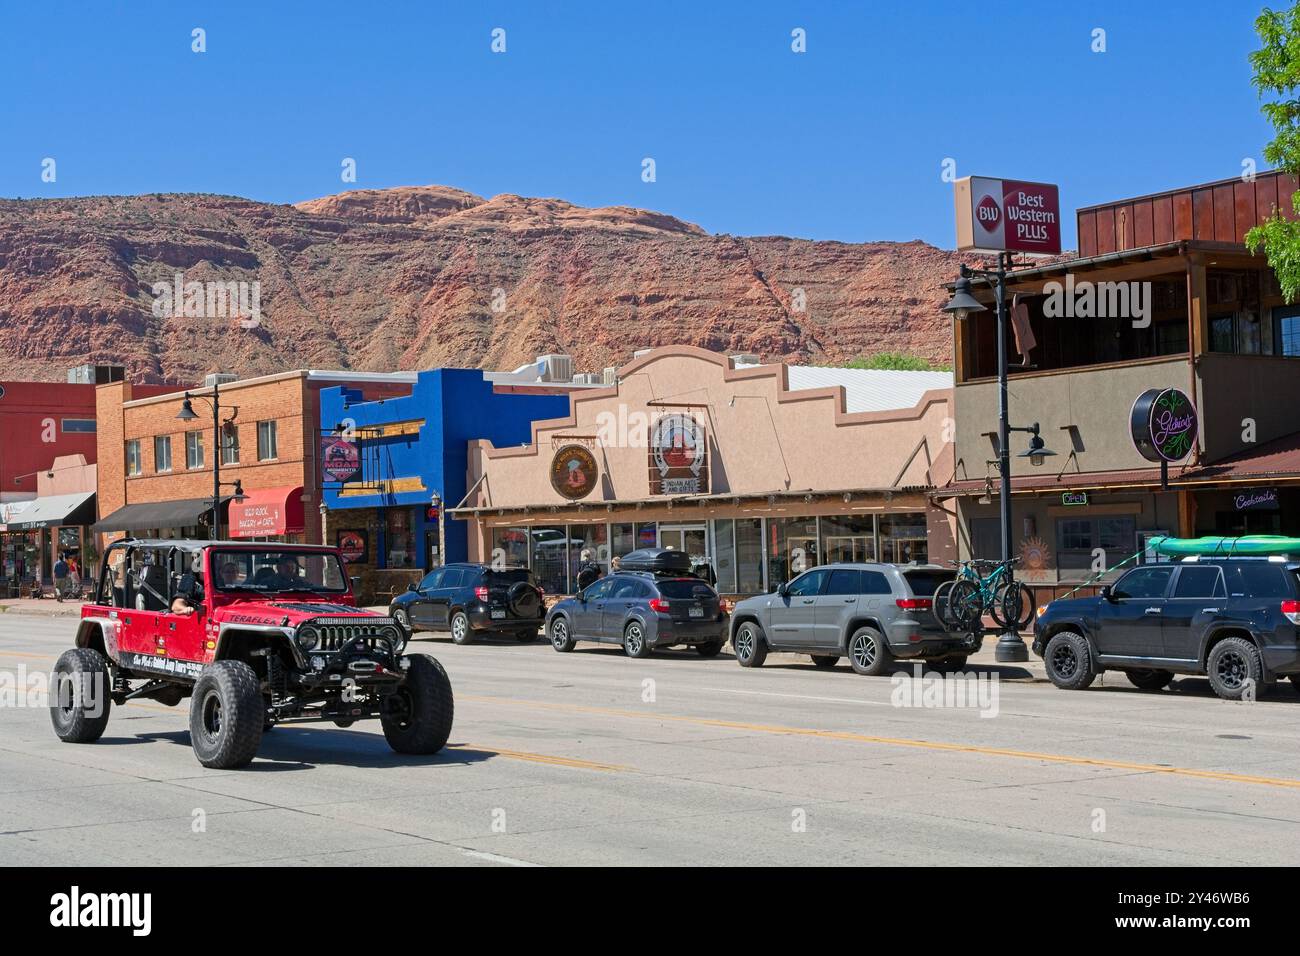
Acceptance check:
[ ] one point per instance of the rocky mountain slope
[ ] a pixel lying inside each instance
(418, 277)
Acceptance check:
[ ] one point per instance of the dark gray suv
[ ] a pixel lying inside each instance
(641, 611)
(870, 613)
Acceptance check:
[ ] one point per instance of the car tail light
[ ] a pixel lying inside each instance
(726, 606)
(481, 593)
(659, 605)
(1292, 611)
(914, 604)
(541, 592)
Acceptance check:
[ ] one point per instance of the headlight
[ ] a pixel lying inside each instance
(308, 637)
(394, 634)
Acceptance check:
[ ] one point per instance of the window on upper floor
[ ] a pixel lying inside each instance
(162, 453)
(267, 444)
(133, 456)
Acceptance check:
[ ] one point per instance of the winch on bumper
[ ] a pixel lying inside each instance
(352, 662)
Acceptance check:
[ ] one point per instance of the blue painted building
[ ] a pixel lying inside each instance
(395, 453)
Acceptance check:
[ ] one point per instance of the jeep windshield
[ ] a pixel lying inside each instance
(275, 570)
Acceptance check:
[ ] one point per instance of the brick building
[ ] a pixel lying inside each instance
(156, 470)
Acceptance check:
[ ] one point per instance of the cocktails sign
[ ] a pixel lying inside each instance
(1163, 425)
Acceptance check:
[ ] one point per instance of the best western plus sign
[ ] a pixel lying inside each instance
(1006, 215)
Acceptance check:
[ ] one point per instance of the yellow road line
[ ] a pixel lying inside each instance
(899, 742)
(43, 657)
(542, 758)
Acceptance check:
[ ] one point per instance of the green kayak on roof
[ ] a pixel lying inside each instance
(1250, 544)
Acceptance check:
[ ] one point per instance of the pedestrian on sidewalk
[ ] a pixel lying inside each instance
(60, 578)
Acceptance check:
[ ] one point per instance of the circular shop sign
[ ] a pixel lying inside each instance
(1163, 424)
(574, 471)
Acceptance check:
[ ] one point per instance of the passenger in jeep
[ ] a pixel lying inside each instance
(181, 605)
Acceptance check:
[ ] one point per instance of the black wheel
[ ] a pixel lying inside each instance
(711, 649)
(869, 652)
(1149, 679)
(403, 618)
(561, 639)
(965, 605)
(461, 632)
(524, 600)
(751, 648)
(941, 605)
(634, 642)
(1068, 661)
(1234, 666)
(526, 637)
(1013, 606)
(80, 702)
(227, 712)
(344, 722)
(418, 715)
(825, 661)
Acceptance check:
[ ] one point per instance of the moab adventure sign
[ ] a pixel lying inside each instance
(1007, 215)
(574, 471)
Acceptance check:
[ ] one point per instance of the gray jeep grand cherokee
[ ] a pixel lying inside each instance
(870, 613)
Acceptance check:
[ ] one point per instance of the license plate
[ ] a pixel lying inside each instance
(498, 615)
(697, 612)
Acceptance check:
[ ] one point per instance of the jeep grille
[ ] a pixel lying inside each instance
(335, 632)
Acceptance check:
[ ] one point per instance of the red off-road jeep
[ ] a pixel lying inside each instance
(256, 634)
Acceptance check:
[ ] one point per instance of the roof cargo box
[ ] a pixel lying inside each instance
(657, 560)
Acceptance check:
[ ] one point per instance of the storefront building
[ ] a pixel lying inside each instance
(757, 471)
(155, 474)
(387, 462)
(55, 524)
(1163, 296)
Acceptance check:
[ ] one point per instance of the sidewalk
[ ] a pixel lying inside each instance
(45, 607)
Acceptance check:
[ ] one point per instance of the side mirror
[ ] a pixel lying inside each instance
(410, 587)
(355, 581)
(783, 589)
(1108, 593)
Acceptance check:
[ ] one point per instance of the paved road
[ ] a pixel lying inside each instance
(591, 758)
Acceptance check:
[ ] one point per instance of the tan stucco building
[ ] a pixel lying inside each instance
(759, 470)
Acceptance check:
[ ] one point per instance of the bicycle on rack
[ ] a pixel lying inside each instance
(982, 587)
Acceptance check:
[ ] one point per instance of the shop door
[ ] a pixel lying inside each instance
(692, 538)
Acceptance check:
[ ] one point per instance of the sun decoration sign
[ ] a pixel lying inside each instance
(574, 471)
(679, 459)
(1163, 425)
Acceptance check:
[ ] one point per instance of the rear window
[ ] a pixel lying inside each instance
(924, 583)
(685, 589)
(507, 576)
(1249, 579)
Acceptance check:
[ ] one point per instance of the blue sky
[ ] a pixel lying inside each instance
(845, 141)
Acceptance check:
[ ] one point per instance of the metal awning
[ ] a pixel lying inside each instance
(182, 513)
(55, 510)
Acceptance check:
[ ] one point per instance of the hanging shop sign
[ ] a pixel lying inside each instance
(1163, 425)
(1256, 499)
(1074, 498)
(679, 459)
(353, 545)
(574, 471)
(340, 459)
(1007, 215)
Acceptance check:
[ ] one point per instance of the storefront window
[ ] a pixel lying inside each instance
(583, 536)
(399, 539)
(510, 547)
(791, 548)
(647, 534)
(622, 539)
(724, 554)
(749, 555)
(849, 538)
(902, 538)
(550, 547)
(1077, 540)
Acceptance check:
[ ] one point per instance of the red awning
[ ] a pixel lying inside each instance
(267, 512)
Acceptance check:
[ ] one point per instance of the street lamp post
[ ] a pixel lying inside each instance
(1011, 647)
(187, 414)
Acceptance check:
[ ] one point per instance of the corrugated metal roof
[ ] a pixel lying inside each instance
(869, 390)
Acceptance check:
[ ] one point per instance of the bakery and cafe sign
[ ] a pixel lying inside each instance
(574, 471)
(1163, 425)
(1007, 215)
(679, 458)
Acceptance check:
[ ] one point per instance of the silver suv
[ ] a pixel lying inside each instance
(870, 613)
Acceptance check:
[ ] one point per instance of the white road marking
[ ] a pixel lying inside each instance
(497, 858)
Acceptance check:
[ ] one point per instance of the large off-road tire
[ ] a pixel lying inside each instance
(634, 640)
(227, 714)
(79, 698)
(825, 661)
(1068, 661)
(869, 652)
(461, 632)
(750, 645)
(1149, 679)
(403, 618)
(711, 649)
(418, 715)
(560, 635)
(1233, 665)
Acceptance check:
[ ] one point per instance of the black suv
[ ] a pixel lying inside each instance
(470, 599)
(1234, 620)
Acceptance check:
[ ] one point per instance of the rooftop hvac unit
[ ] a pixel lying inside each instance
(219, 378)
(96, 374)
(745, 358)
(588, 378)
(640, 352)
(555, 368)
(609, 376)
